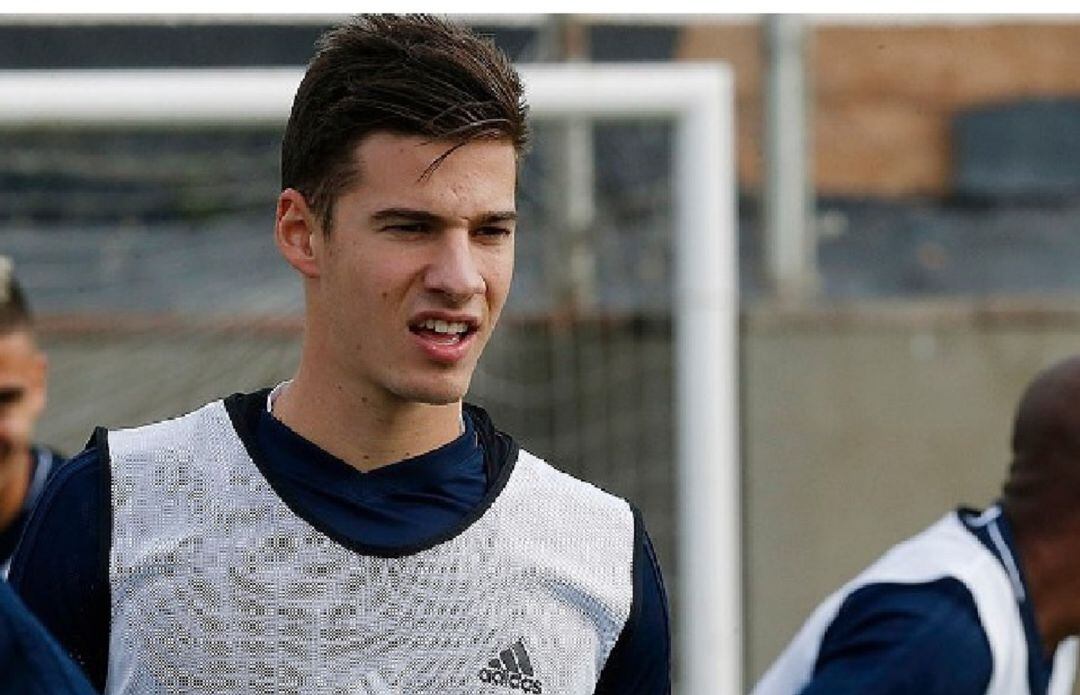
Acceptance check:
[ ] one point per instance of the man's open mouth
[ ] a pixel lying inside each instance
(443, 332)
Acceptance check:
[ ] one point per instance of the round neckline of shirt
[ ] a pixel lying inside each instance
(430, 466)
(499, 453)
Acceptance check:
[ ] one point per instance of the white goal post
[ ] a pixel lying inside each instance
(700, 100)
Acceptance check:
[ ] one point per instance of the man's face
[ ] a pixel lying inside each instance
(22, 392)
(415, 272)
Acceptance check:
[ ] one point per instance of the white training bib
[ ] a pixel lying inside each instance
(218, 587)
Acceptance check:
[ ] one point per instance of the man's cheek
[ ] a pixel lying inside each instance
(16, 430)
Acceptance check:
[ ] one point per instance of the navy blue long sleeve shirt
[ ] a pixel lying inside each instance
(61, 566)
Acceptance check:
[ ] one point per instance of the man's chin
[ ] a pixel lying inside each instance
(433, 394)
(435, 398)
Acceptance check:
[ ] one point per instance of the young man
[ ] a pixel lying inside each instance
(357, 529)
(979, 602)
(24, 466)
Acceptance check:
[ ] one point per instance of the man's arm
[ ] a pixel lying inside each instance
(60, 568)
(640, 662)
(894, 639)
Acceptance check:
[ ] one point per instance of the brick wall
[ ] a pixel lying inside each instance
(884, 96)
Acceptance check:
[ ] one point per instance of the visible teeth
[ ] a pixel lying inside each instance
(445, 326)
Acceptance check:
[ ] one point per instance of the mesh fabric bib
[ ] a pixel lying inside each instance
(218, 587)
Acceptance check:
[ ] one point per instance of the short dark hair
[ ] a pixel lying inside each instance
(14, 310)
(406, 74)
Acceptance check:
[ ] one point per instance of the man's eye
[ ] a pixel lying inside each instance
(10, 396)
(493, 231)
(407, 227)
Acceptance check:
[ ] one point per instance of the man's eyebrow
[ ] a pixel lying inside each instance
(404, 214)
(499, 216)
(425, 216)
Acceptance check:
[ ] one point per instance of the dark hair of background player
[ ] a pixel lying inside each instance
(14, 310)
(406, 74)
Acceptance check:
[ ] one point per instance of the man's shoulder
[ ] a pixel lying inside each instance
(555, 479)
(557, 503)
(501, 451)
(938, 617)
(944, 565)
(946, 548)
(235, 407)
(945, 604)
(902, 638)
(221, 425)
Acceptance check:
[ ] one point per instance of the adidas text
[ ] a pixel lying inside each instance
(514, 681)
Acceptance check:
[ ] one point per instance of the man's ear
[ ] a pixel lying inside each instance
(297, 233)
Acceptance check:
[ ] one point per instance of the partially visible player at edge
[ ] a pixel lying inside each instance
(357, 529)
(981, 602)
(24, 465)
(31, 663)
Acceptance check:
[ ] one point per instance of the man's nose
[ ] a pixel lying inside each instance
(454, 270)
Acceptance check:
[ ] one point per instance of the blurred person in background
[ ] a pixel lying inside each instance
(981, 602)
(24, 466)
(358, 528)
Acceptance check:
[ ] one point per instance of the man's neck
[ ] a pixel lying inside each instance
(367, 431)
(1052, 573)
(14, 481)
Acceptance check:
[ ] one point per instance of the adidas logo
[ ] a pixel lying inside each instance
(512, 670)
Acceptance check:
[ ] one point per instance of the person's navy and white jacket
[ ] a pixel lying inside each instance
(946, 612)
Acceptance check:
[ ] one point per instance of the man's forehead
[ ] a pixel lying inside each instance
(420, 158)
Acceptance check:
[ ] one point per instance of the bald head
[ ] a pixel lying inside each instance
(1044, 479)
(1048, 417)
